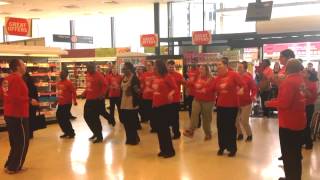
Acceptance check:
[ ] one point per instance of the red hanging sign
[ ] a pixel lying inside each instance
(18, 26)
(201, 37)
(149, 40)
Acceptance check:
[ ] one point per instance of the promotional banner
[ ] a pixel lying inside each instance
(18, 26)
(201, 37)
(149, 40)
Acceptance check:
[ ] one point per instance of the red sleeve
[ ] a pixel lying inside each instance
(286, 95)
(73, 90)
(14, 92)
(273, 103)
(313, 91)
(103, 86)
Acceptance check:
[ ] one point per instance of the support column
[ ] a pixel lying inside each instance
(4, 36)
(157, 25)
(113, 35)
(72, 33)
(170, 29)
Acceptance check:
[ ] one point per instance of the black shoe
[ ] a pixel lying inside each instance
(220, 152)
(280, 158)
(160, 154)
(309, 146)
(249, 139)
(71, 136)
(92, 137)
(282, 178)
(176, 136)
(232, 154)
(169, 155)
(98, 140)
(73, 117)
(133, 143)
(240, 137)
(64, 136)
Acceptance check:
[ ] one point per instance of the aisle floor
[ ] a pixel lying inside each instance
(51, 158)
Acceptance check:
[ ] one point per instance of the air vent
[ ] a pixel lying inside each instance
(110, 2)
(71, 6)
(35, 10)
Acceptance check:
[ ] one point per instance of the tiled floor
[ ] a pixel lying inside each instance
(51, 158)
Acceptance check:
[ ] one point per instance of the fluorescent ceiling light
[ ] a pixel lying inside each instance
(3, 3)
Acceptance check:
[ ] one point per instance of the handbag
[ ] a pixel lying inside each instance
(40, 121)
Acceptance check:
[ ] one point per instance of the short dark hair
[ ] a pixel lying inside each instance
(294, 66)
(267, 61)
(287, 53)
(161, 67)
(14, 64)
(171, 62)
(313, 75)
(129, 66)
(245, 64)
(225, 60)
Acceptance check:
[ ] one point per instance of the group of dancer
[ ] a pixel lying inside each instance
(154, 96)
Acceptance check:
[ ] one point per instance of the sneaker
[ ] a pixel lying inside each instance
(98, 140)
(249, 139)
(170, 155)
(240, 137)
(232, 154)
(160, 154)
(92, 137)
(64, 136)
(71, 136)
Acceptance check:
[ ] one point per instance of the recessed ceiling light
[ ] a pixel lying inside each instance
(4, 3)
(71, 6)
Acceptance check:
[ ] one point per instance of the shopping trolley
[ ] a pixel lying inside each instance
(315, 126)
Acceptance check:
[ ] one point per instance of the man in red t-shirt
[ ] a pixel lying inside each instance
(16, 101)
(175, 106)
(66, 93)
(95, 96)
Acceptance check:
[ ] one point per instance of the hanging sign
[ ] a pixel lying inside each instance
(149, 40)
(18, 26)
(201, 37)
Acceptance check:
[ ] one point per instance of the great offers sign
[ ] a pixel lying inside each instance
(18, 26)
(149, 40)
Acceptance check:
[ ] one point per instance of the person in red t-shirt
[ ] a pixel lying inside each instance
(16, 101)
(114, 83)
(147, 94)
(228, 85)
(95, 95)
(292, 119)
(311, 81)
(66, 94)
(245, 101)
(164, 89)
(202, 103)
(177, 77)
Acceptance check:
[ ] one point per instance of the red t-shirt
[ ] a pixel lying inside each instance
(15, 96)
(250, 90)
(192, 74)
(312, 88)
(162, 86)
(291, 103)
(227, 87)
(178, 79)
(146, 85)
(114, 83)
(96, 86)
(199, 85)
(66, 92)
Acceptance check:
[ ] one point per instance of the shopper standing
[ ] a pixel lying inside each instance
(228, 85)
(245, 101)
(175, 106)
(284, 58)
(95, 95)
(164, 89)
(147, 94)
(311, 92)
(292, 119)
(130, 92)
(202, 103)
(265, 86)
(114, 83)
(16, 113)
(66, 94)
(33, 94)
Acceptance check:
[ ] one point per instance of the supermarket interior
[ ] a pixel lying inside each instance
(57, 36)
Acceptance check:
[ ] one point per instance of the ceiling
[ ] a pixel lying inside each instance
(53, 8)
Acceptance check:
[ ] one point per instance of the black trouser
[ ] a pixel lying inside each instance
(92, 110)
(162, 124)
(63, 117)
(147, 112)
(174, 117)
(227, 131)
(130, 120)
(188, 102)
(103, 112)
(32, 119)
(291, 142)
(265, 96)
(18, 130)
(114, 101)
(307, 130)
